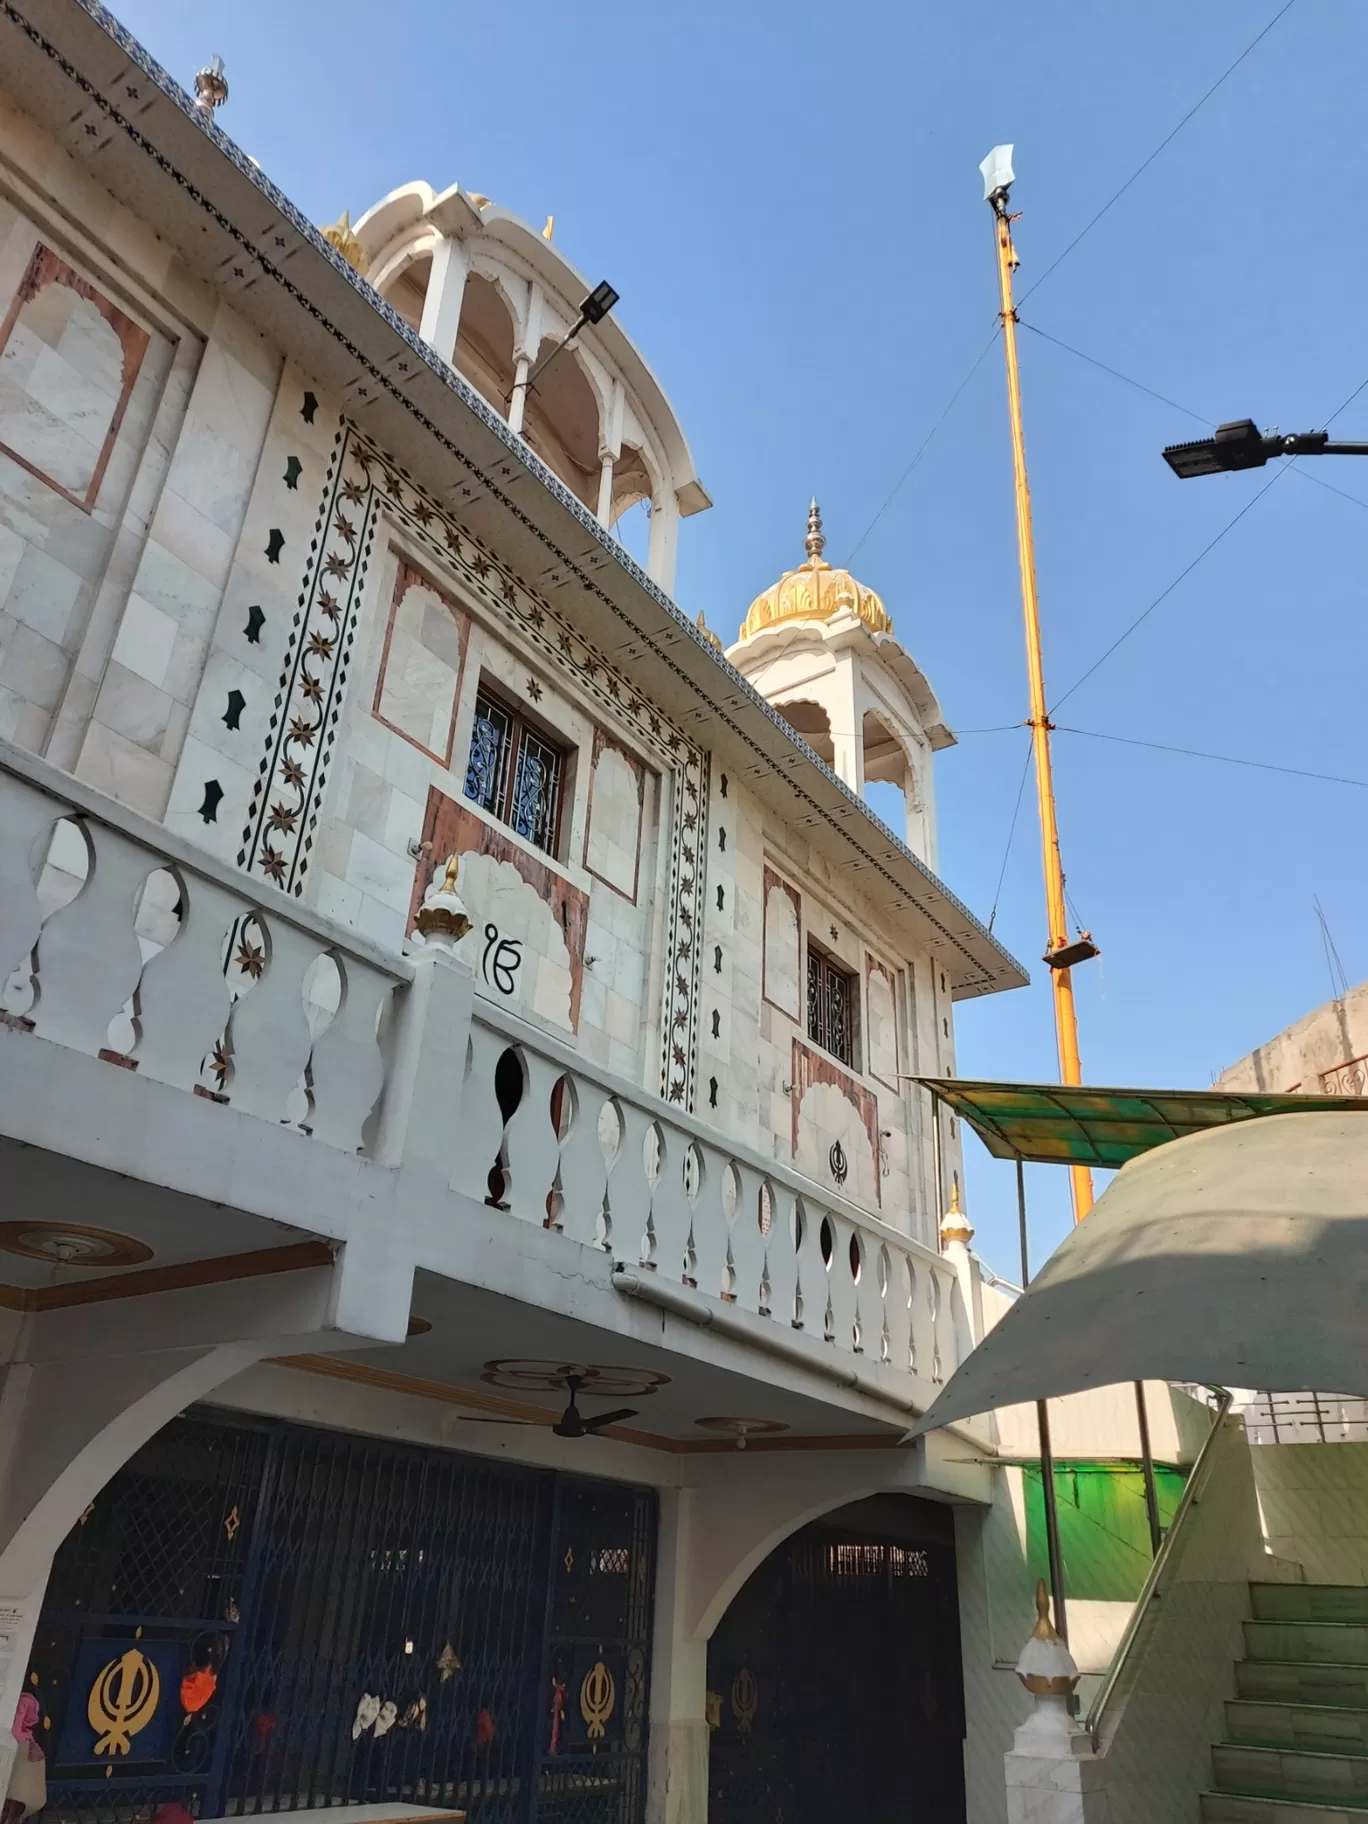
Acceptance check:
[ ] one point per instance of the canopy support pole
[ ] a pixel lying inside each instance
(1147, 1464)
(1047, 1485)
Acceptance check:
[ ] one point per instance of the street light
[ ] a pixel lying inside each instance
(592, 310)
(1242, 445)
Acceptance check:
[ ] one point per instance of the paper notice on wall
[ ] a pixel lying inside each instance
(12, 1628)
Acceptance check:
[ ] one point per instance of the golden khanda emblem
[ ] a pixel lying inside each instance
(598, 1695)
(745, 1699)
(123, 1700)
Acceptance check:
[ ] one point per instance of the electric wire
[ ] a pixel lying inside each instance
(924, 446)
(1197, 753)
(1011, 832)
(1115, 372)
(1306, 475)
(1165, 141)
(1187, 571)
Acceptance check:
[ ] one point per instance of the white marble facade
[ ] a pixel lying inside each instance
(142, 639)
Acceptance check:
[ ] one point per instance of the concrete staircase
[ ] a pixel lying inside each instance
(1296, 1748)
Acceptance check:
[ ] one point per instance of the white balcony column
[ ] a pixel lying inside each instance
(605, 493)
(525, 353)
(663, 548)
(441, 319)
(517, 404)
(677, 1755)
(610, 448)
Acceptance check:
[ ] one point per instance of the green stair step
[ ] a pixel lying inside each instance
(1309, 1602)
(1287, 1681)
(1291, 1773)
(1337, 1729)
(1248, 1808)
(1308, 1642)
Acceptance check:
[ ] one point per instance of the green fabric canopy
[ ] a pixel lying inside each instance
(1047, 1124)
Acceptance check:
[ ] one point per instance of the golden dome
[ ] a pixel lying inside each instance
(815, 592)
(339, 235)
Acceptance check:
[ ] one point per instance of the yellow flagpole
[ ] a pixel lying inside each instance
(1066, 1021)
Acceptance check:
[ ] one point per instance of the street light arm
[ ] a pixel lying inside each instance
(1242, 445)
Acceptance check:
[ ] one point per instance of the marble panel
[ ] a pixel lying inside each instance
(69, 359)
(419, 680)
(782, 971)
(881, 1022)
(146, 640)
(612, 839)
(124, 770)
(43, 593)
(32, 667)
(132, 707)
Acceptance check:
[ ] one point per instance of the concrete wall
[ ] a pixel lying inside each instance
(1324, 1053)
(1314, 1502)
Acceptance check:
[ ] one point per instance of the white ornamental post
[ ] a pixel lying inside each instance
(1051, 1769)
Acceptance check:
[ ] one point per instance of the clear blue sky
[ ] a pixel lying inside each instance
(786, 196)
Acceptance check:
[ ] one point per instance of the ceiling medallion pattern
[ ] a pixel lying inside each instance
(362, 486)
(597, 1378)
(741, 1429)
(72, 1244)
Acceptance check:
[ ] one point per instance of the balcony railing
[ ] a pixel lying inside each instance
(119, 940)
(571, 1149)
(122, 941)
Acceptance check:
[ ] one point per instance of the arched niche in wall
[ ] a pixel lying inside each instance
(562, 422)
(813, 723)
(484, 344)
(885, 757)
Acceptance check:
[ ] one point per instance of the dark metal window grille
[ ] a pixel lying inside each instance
(831, 1007)
(515, 773)
(312, 1570)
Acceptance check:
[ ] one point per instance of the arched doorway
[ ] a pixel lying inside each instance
(834, 1679)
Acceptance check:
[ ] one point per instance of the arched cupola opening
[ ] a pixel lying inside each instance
(484, 344)
(813, 723)
(561, 422)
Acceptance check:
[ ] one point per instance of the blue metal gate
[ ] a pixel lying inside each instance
(260, 1617)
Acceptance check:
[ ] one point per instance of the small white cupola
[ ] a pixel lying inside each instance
(820, 646)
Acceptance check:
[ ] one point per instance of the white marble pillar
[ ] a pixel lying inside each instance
(517, 405)
(677, 1765)
(605, 493)
(664, 541)
(441, 318)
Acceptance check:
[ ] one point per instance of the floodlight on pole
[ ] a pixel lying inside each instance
(1242, 445)
(592, 310)
(998, 174)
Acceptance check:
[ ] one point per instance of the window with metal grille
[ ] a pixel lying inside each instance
(831, 1006)
(514, 772)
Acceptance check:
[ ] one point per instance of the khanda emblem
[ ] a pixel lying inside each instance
(123, 1700)
(598, 1694)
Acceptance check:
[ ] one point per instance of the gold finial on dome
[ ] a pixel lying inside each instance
(815, 543)
(714, 640)
(339, 234)
(815, 591)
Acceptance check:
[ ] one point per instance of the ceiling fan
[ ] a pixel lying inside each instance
(572, 1422)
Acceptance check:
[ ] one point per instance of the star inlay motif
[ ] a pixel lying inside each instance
(282, 818)
(251, 961)
(303, 731)
(273, 865)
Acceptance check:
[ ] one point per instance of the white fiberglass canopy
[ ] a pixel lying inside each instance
(1237, 1257)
